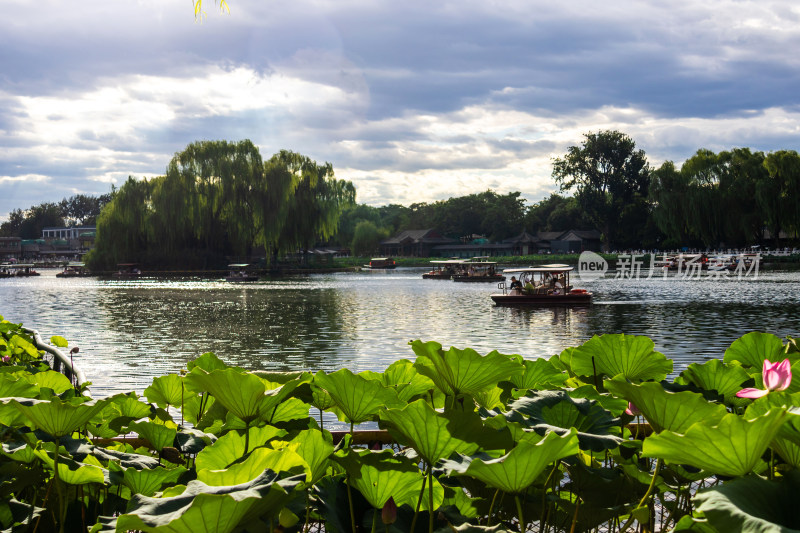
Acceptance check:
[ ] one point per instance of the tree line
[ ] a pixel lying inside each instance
(219, 200)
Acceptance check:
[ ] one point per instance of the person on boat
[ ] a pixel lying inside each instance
(558, 286)
(515, 284)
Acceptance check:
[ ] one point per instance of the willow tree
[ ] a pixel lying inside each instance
(779, 192)
(123, 226)
(315, 204)
(609, 176)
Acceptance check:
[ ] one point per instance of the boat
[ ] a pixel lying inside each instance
(73, 270)
(127, 271)
(378, 263)
(20, 270)
(239, 272)
(478, 269)
(444, 269)
(541, 286)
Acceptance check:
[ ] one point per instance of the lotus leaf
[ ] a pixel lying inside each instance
(70, 471)
(57, 417)
(231, 447)
(432, 434)
(253, 465)
(240, 393)
(22, 348)
(158, 435)
(201, 508)
(166, 390)
(456, 372)
(556, 411)
(630, 356)
(320, 398)
(490, 398)
(291, 409)
(58, 341)
(538, 374)
(145, 481)
(359, 399)
(315, 449)
(381, 475)
(753, 348)
(714, 375)
(208, 362)
(613, 404)
(753, 504)
(519, 468)
(11, 386)
(732, 448)
(50, 379)
(16, 513)
(403, 376)
(671, 411)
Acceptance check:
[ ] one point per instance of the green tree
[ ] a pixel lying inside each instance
(778, 193)
(669, 190)
(366, 239)
(38, 217)
(607, 174)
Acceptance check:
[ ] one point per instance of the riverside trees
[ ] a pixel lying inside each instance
(220, 199)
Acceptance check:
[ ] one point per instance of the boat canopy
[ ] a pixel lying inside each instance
(238, 265)
(21, 265)
(379, 259)
(75, 265)
(449, 262)
(543, 268)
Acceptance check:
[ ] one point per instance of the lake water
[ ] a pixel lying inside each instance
(130, 331)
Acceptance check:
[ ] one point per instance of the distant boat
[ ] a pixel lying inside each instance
(478, 270)
(74, 270)
(19, 270)
(127, 271)
(380, 263)
(444, 269)
(239, 272)
(544, 285)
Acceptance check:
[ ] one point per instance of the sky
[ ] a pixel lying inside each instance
(412, 101)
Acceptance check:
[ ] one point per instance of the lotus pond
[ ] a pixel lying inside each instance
(595, 438)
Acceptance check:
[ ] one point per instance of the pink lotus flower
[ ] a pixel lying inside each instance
(776, 377)
(632, 410)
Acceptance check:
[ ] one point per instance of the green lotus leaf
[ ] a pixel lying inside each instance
(58, 417)
(456, 372)
(23, 348)
(490, 398)
(129, 405)
(11, 386)
(320, 398)
(146, 481)
(208, 362)
(519, 468)
(432, 434)
(359, 399)
(165, 390)
(201, 508)
(753, 348)
(51, 379)
(257, 461)
(631, 356)
(403, 376)
(558, 412)
(15, 513)
(751, 504)
(538, 374)
(671, 411)
(18, 451)
(613, 404)
(714, 375)
(381, 475)
(787, 442)
(59, 342)
(231, 447)
(70, 471)
(240, 393)
(315, 449)
(291, 409)
(158, 435)
(733, 447)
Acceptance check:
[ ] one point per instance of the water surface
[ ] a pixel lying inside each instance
(130, 331)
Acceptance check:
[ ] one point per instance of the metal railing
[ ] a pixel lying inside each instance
(60, 362)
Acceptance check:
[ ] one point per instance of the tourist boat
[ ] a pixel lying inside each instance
(378, 263)
(541, 286)
(127, 271)
(239, 272)
(73, 270)
(21, 270)
(5, 270)
(478, 269)
(444, 269)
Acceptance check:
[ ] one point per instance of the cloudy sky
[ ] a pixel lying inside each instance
(412, 101)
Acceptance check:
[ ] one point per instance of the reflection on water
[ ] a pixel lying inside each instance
(131, 331)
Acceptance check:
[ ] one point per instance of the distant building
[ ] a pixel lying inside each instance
(414, 243)
(67, 234)
(576, 241)
(10, 248)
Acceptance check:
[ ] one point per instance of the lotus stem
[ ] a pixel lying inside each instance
(491, 507)
(419, 502)
(519, 513)
(575, 516)
(246, 437)
(374, 521)
(62, 509)
(430, 498)
(350, 502)
(646, 496)
(544, 497)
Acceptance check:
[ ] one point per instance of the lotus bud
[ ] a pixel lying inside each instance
(389, 512)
